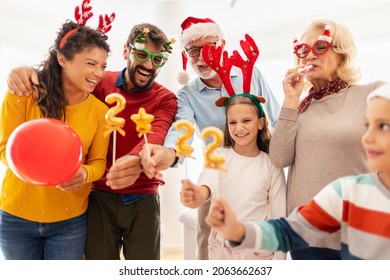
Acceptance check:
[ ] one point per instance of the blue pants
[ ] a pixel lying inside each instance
(22, 239)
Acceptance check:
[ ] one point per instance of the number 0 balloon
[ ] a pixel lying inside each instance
(44, 152)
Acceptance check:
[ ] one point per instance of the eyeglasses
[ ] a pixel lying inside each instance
(319, 48)
(195, 51)
(158, 60)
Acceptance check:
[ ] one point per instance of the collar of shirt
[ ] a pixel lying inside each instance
(120, 82)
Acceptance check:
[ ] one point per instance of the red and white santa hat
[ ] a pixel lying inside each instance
(194, 29)
(326, 35)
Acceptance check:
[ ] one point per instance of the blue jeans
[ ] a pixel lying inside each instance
(22, 239)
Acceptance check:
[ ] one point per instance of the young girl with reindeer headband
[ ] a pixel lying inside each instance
(45, 223)
(252, 183)
(357, 207)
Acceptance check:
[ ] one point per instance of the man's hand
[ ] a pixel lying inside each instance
(76, 182)
(21, 79)
(156, 158)
(193, 196)
(222, 218)
(124, 173)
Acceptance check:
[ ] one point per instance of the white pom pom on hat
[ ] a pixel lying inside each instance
(182, 77)
(192, 30)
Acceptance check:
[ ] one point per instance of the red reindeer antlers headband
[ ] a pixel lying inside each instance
(82, 18)
(214, 61)
(212, 57)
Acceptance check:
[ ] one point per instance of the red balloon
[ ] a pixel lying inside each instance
(44, 152)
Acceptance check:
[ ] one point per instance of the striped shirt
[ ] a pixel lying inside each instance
(357, 206)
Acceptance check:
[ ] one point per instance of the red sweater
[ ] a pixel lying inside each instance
(158, 101)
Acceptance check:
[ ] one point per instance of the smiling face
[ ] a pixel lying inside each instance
(324, 65)
(140, 74)
(376, 140)
(243, 125)
(84, 71)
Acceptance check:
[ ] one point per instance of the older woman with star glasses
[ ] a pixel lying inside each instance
(318, 137)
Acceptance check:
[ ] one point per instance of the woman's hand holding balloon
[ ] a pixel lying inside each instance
(76, 182)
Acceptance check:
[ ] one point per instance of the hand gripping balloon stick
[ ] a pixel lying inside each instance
(143, 122)
(182, 149)
(113, 122)
(210, 159)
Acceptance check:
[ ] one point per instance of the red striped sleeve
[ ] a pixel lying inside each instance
(366, 220)
(318, 217)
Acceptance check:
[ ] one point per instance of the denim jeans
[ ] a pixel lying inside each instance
(22, 239)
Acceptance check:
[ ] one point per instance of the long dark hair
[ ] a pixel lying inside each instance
(263, 136)
(50, 96)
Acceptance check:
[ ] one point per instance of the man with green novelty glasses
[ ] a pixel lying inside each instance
(158, 60)
(126, 215)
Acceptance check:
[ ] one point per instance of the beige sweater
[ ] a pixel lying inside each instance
(321, 144)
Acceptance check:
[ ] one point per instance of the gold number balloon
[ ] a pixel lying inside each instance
(182, 149)
(212, 160)
(114, 122)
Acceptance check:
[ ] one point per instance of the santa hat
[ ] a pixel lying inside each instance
(194, 29)
(326, 35)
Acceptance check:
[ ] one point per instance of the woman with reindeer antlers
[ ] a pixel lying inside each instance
(124, 206)
(50, 223)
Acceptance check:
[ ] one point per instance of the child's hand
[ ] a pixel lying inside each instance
(191, 195)
(222, 218)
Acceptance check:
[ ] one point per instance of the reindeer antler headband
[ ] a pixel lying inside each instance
(82, 18)
(212, 56)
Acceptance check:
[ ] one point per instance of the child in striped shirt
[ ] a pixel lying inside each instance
(358, 207)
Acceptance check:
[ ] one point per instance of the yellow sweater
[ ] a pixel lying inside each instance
(49, 204)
